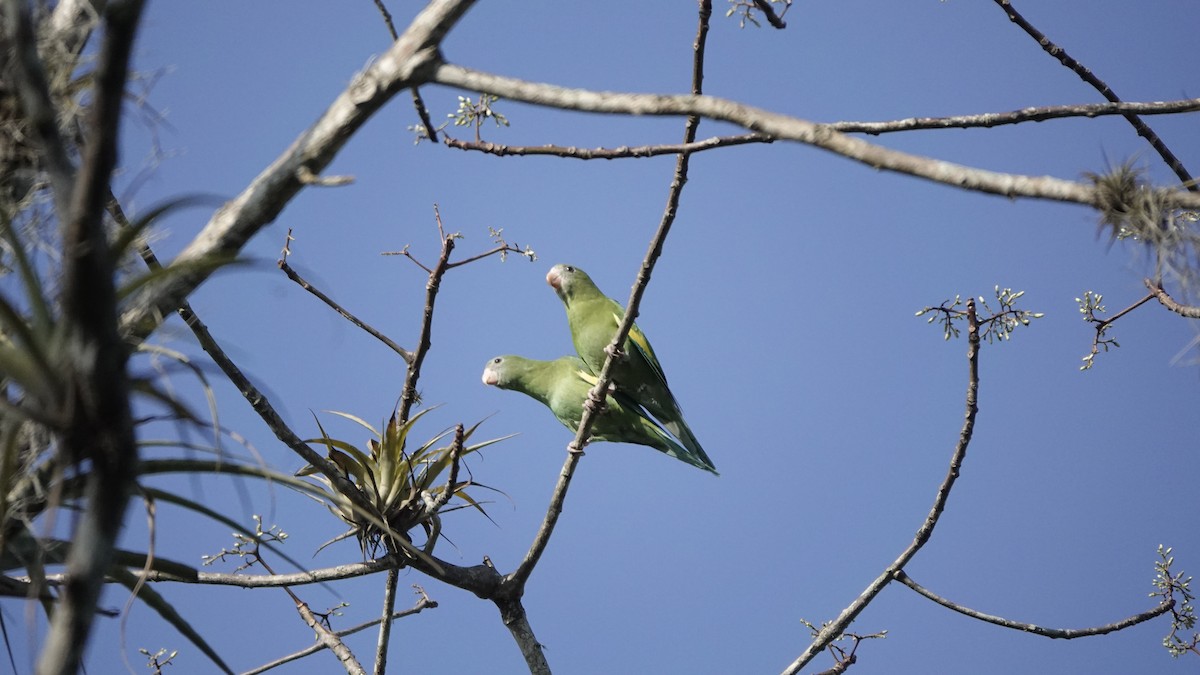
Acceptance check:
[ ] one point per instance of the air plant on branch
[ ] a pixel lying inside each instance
(399, 485)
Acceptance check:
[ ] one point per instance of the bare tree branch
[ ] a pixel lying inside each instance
(1189, 311)
(1057, 633)
(407, 62)
(262, 405)
(371, 330)
(423, 603)
(1031, 114)
(328, 639)
(782, 127)
(982, 120)
(839, 625)
(1088, 76)
(512, 614)
(391, 580)
(409, 394)
(776, 20)
(273, 580)
(387, 19)
(413, 60)
(622, 152)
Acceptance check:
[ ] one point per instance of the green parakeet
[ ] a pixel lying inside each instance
(594, 318)
(563, 385)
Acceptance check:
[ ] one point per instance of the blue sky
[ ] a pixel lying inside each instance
(782, 310)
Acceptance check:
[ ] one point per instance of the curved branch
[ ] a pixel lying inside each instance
(783, 127)
(839, 625)
(1188, 311)
(1056, 633)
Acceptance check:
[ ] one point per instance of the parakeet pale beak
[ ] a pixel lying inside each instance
(490, 377)
(553, 278)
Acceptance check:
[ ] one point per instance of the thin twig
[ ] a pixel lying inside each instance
(839, 625)
(423, 112)
(325, 636)
(418, 102)
(503, 248)
(776, 20)
(409, 395)
(1088, 76)
(1056, 633)
(1156, 290)
(1031, 114)
(387, 20)
(294, 276)
(456, 449)
(1102, 325)
(262, 406)
(423, 603)
(622, 152)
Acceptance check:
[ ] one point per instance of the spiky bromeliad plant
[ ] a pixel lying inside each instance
(398, 485)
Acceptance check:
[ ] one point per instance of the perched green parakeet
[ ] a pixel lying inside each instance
(594, 318)
(563, 385)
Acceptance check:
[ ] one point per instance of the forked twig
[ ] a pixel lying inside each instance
(423, 603)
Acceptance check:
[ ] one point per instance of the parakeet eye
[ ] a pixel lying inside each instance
(497, 360)
(570, 269)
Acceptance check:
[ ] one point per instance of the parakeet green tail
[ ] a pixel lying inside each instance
(594, 318)
(563, 385)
